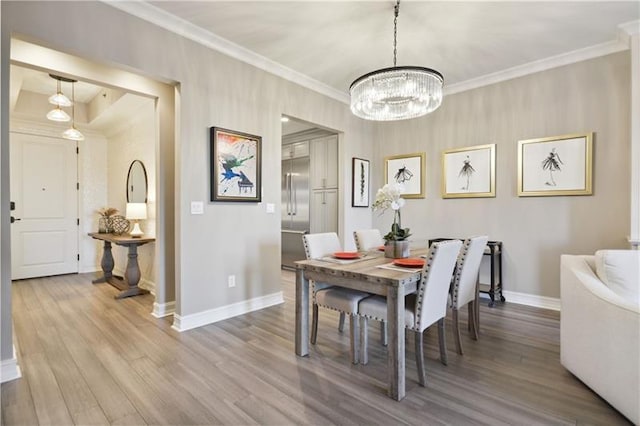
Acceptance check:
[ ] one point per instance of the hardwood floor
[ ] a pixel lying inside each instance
(89, 359)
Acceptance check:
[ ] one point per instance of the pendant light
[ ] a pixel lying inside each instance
(72, 133)
(398, 92)
(59, 100)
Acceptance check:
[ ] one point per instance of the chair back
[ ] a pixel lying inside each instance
(464, 286)
(368, 239)
(433, 290)
(321, 245)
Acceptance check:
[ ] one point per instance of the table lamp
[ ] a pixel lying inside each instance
(135, 212)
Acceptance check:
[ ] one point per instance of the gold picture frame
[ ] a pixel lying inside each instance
(469, 172)
(556, 165)
(409, 170)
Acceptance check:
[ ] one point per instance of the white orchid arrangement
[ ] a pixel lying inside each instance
(390, 196)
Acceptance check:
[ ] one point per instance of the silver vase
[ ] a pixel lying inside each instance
(396, 249)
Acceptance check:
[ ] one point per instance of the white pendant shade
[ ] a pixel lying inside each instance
(57, 114)
(60, 100)
(73, 134)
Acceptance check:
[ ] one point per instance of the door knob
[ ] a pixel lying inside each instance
(13, 219)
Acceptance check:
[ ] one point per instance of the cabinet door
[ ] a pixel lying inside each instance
(324, 211)
(324, 162)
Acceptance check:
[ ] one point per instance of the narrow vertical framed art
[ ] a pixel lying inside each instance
(360, 183)
(557, 165)
(236, 166)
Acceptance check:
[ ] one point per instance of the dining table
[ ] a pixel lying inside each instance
(372, 273)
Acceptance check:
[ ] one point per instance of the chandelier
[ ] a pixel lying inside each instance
(58, 114)
(396, 93)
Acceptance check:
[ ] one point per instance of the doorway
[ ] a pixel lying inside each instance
(309, 185)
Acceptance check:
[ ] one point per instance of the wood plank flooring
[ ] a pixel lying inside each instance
(87, 358)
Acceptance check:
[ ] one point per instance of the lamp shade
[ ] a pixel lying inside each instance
(136, 211)
(57, 114)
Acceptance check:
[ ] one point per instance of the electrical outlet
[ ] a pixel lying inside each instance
(231, 281)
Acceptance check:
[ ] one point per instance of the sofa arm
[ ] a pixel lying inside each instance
(600, 336)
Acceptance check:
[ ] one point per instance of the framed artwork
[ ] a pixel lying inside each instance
(408, 170)
(236, 166)
(557, 165)
(469, 172)
(360, 183)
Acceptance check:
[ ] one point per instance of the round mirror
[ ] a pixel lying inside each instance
(137, 183)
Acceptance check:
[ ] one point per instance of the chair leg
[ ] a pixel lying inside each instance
(341, 323)
(420, 358)
(443, 342)
(383, 333)
(470, 312)
(456, 330)
(314, 324)
(474, 319)
(354, 343)
(476, 308)
(364, 341)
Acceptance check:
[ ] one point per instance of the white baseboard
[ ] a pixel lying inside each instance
(9, 369)
(187, 322)
(161, 310)
(532, 300)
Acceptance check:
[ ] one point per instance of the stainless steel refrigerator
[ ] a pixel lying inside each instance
(295, 209)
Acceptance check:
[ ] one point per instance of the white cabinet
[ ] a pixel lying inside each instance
(324, 211)
(324, 162)
(295, 150)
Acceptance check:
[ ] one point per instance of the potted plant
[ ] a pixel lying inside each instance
(396, 244)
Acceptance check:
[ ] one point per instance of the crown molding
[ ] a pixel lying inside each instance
(538, 66)
(169, 22)
(630, 28)
(192, 32)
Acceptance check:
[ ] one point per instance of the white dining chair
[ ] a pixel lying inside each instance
(339, 299)
(465, 286)
(368, 239)
(423, 308)
(371, 239)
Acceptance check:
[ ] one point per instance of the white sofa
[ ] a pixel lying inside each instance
(600, 325)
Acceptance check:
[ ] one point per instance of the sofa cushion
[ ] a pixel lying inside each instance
(620, 271)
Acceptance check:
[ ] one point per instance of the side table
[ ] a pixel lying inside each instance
(129, 284)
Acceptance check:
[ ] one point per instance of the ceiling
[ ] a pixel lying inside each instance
(335, 42)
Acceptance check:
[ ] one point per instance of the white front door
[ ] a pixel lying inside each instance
(44, 188)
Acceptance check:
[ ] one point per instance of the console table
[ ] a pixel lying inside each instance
(129, 284)
(494, 251)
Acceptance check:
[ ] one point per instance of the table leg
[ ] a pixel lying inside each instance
(395, 316)
(132, 275)
(106, 263)
(302, 314)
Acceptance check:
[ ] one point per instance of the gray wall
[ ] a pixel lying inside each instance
(214, 90)
(593, 96)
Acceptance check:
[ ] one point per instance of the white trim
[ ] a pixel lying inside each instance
(161, 310)
(9, 369)
(192, 32)
(183, 323)
(538, 66)
(206, 38)
(635, 244)
(532, 300)
(630, 28)
(634, 231)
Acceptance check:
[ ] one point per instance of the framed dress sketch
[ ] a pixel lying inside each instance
(557, 165)
(469, 172)
(236, 166)
(409, 170)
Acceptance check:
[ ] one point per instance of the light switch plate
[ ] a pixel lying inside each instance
(197, 207)
(271, 208)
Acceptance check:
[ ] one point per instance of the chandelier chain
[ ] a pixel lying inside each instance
(396, 11)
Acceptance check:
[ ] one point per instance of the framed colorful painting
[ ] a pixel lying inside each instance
(469, 172)
(557, 165)
(409, 170)
(360, 183)
(236, 166)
